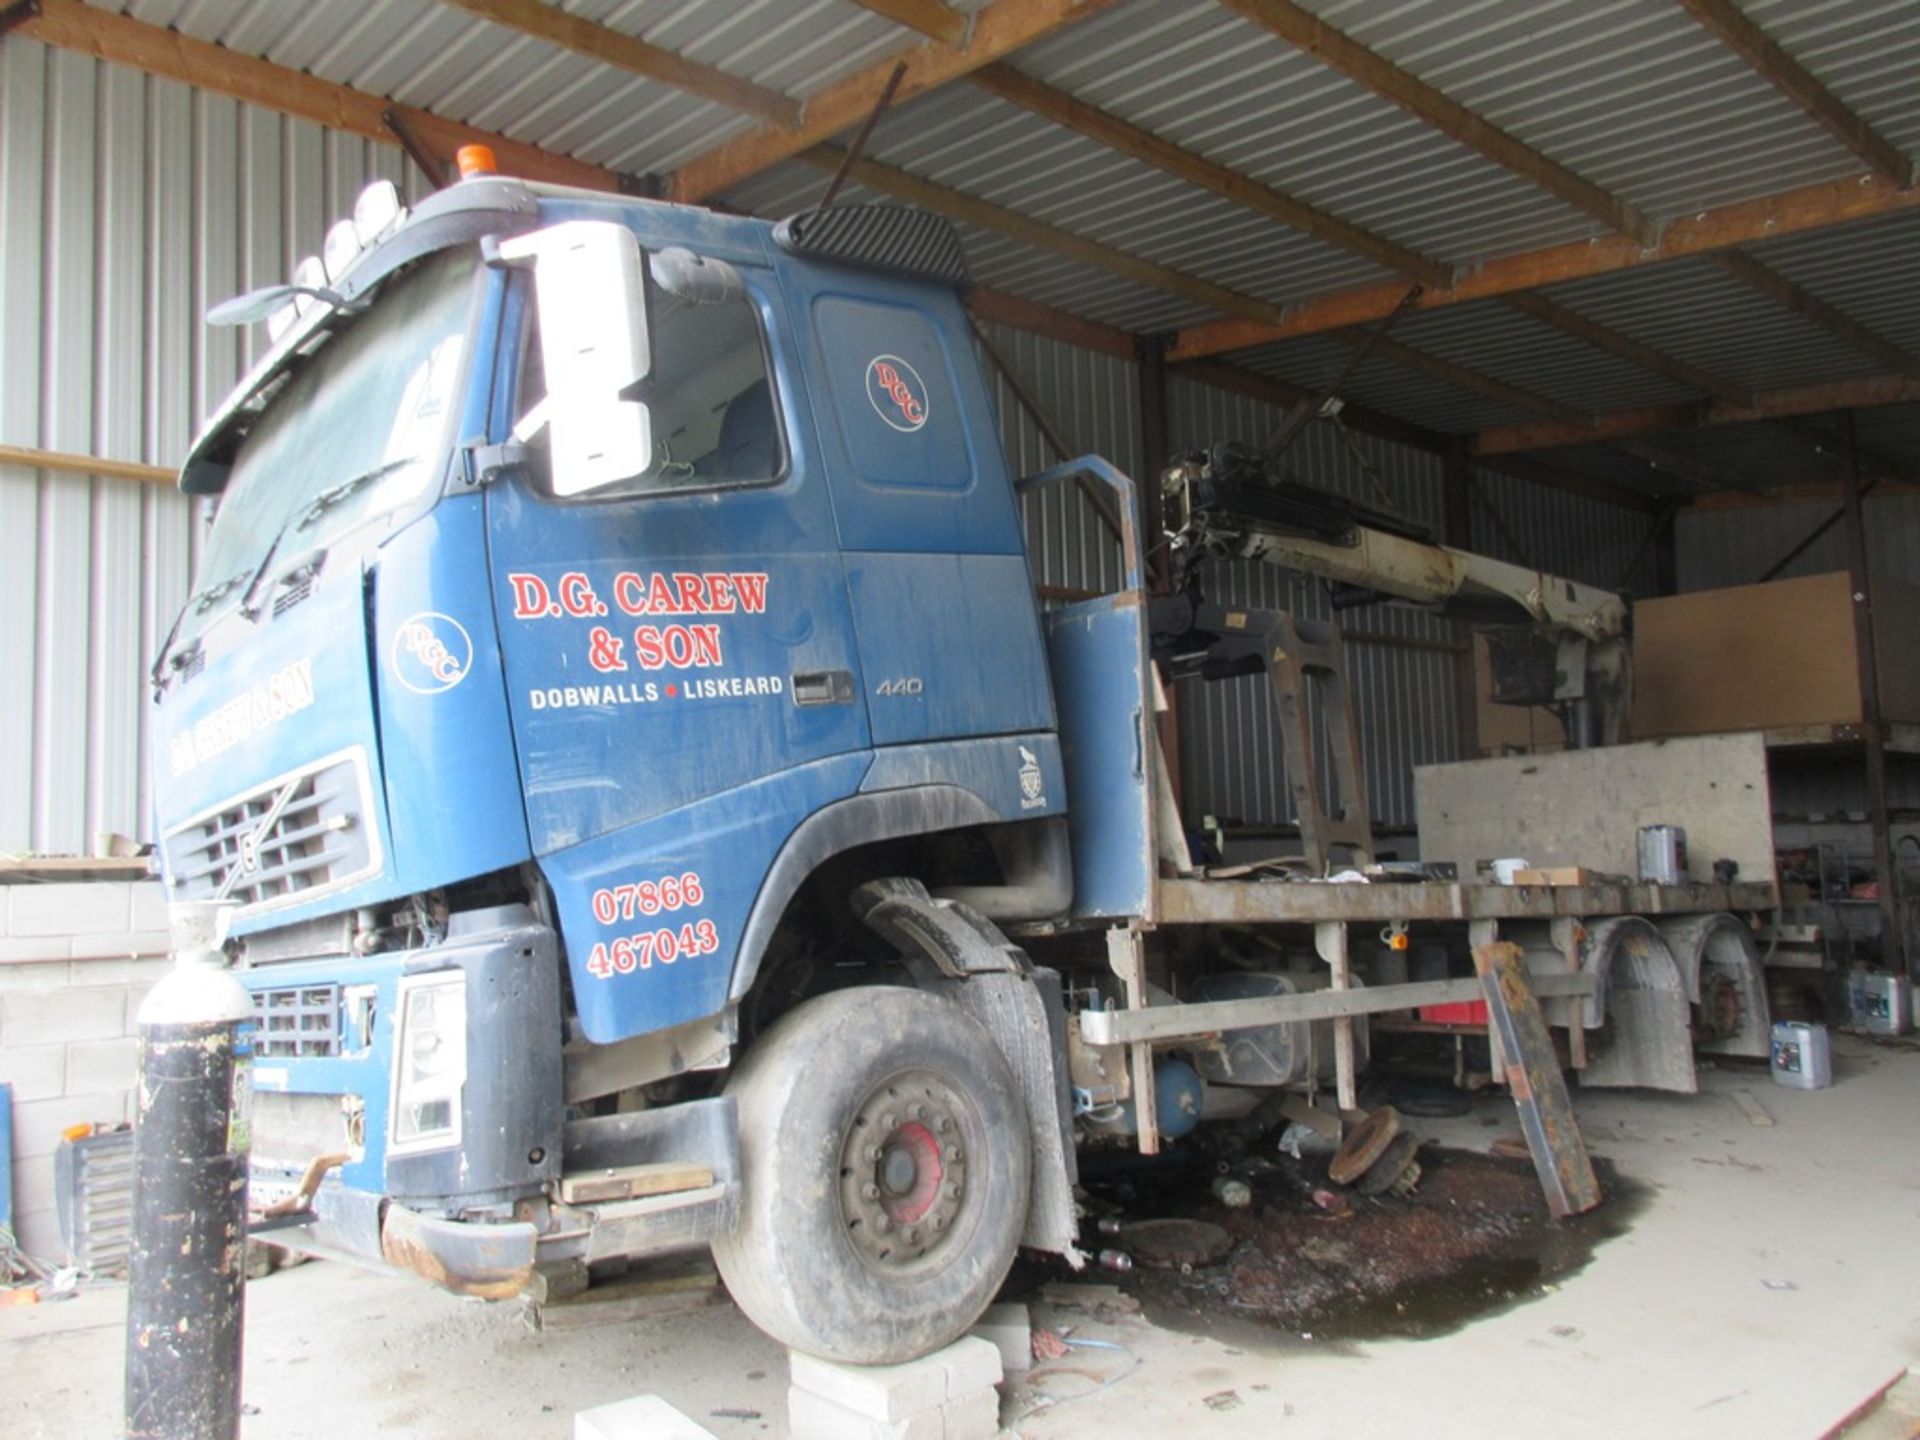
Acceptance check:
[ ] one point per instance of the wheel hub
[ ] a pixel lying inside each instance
(903, 1172)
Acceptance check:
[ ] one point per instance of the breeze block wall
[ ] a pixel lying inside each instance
(76, 960)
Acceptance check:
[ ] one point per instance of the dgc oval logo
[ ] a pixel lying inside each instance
(898, 393)
(431, 652)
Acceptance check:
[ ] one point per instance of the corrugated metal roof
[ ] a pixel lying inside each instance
(1190, 71)
(1633, 95)
(1671, 120)
(1695, 312)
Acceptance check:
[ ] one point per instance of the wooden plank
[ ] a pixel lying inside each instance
(627, 52)
(1804, 303)
(1556, 875)
(67, 464)
(632, 1182)
(1063, 109)
(1533, 1077)
(1585, 807)
(71, 25)
(988, 216)
(930, 17)
(999, 29)
(1602, 337)
(1746, 657)
(1788, 212)
(1315, 37)
(1760, 50)
(1866, 394)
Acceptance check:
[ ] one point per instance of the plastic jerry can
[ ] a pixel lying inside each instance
(1802, 1058)
(1881, 1003)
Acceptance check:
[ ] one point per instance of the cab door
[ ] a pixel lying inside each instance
(673, 638)
(941, 592)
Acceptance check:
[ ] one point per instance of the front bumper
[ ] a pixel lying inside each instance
(493, 1261)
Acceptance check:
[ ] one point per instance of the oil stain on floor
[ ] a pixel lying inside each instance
(1472, 1237)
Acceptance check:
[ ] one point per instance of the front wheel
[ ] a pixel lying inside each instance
(886, 1163)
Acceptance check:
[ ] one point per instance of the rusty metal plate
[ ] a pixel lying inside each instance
(1171, 1244)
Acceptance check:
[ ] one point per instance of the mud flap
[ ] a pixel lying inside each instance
(955, 952)
(1640, 998)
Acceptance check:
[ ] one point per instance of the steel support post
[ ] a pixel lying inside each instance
(1893, 948)
(187, 1277)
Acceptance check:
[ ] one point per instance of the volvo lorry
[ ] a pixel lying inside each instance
(654, 809)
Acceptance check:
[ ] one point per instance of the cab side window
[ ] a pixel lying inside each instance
(715, 421)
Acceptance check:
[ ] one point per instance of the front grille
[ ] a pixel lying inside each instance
(290, 1130)
(284, 843)
(299, 1021)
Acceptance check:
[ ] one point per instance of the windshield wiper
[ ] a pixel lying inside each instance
(315, 508)
(327, 499)
(200, 601)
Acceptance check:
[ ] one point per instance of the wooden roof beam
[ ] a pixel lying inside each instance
(999, 29)
(1309, 33)
(1064, 110)
(1656, 419)
(1775, 286)
(626, 52)
(999, 308)
(932, 18)
(1779, 69)
(1602, 337)
(974, 211)
(1791, 212)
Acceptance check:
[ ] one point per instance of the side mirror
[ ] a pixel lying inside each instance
(591, 286)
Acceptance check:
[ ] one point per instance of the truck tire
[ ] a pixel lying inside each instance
(885, 1164)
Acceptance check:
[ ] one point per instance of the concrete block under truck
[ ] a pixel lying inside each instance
(656, 810)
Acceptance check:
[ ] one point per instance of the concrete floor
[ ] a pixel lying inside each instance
(1672, 1330)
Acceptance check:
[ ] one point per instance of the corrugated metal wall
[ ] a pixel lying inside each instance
(1587, 540)
(127, 206)
(1092, 402)
(1738, 546)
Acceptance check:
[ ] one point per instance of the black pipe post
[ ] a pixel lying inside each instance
(191, 1137)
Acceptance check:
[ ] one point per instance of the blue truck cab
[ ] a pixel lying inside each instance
(617, 710)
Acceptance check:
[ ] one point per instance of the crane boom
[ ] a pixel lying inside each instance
(1552, 641)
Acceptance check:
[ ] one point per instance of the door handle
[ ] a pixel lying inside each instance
(823, 687)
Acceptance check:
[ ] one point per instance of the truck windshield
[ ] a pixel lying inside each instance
(357, 432)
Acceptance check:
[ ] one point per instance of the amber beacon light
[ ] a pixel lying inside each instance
(473, 160)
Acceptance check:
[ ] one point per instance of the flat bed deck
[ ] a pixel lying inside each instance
(1312, 902)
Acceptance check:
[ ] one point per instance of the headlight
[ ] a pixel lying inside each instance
(431, 1068)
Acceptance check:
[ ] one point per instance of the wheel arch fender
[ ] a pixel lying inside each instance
(834, 829)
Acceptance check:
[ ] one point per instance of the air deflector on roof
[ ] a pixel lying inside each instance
(885, 237)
